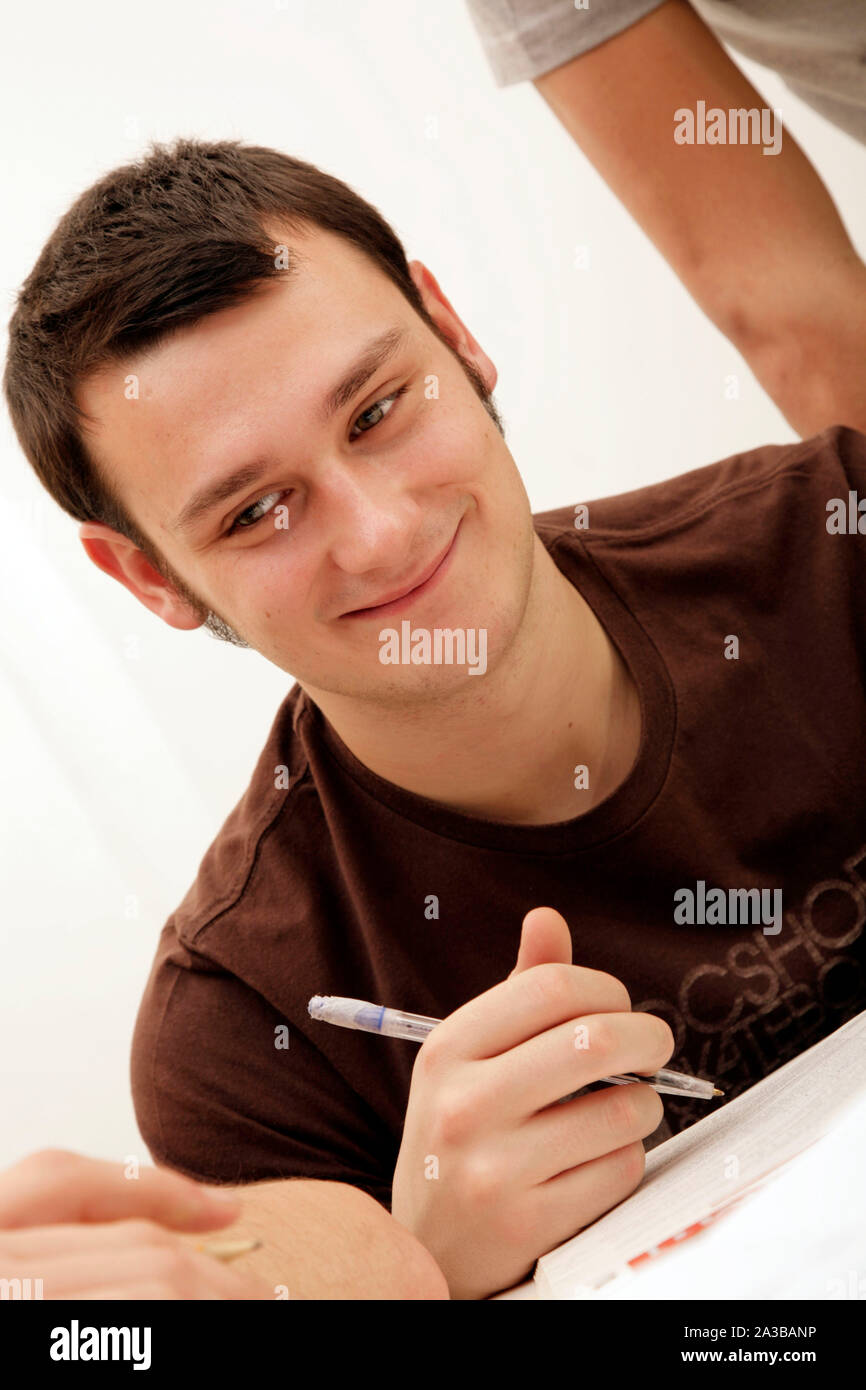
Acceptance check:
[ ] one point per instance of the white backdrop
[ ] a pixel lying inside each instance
(126, 743)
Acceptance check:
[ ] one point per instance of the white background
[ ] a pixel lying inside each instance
(126, 743)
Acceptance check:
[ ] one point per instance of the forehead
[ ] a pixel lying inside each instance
(334, 290)
(200, 396)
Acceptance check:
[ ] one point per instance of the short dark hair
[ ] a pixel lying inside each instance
(152, 247)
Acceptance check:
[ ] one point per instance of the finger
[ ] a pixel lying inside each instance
(148, 1291)
(562, 1137)
(544, 937)
(136, 1293)
(84, 1238)
(521, 1007)
(47, 1246)
(56, 1185)
(182, 1272)
(591, 1189)
(544, 1069)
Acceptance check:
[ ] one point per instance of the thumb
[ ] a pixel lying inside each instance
(544, 937)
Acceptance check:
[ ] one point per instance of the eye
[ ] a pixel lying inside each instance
(377, 407)
(254, 513)
(240, 525)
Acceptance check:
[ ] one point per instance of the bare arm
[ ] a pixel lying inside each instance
(330, 1240)
(755, 238)
(91, 1232)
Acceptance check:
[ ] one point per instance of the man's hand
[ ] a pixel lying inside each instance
(88, 1232)
(493, 1171)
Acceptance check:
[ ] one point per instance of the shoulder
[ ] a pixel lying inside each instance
(278, 789)
(759, 493)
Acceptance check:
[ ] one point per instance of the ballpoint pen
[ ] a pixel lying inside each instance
(394, 1023)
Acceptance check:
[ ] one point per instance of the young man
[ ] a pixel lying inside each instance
(646, 715)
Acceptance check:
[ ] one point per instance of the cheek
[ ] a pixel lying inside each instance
(446, 449)
(268, 579)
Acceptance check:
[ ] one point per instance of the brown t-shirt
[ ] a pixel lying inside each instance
(750, 774)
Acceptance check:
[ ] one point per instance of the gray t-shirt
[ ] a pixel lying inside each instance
(818, 47)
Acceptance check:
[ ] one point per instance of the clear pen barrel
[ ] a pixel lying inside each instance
(671, 1083)
(413, 1027)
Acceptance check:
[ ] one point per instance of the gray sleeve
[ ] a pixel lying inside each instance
(524, 38)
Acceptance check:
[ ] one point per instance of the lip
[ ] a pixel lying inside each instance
(423, 585)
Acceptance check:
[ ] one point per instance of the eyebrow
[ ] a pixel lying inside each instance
(376, 353)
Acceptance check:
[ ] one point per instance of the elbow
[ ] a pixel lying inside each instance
(736, 315)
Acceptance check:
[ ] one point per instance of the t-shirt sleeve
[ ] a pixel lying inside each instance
(524, 38)
(217, 1099)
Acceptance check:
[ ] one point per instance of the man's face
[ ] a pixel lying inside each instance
(350, 504)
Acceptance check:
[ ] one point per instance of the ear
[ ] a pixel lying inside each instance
(449, 323)
(119, 557)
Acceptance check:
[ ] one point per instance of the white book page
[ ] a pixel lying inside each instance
(701, 1169)
(801, 1235)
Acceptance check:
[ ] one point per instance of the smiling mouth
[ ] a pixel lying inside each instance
(425, 581)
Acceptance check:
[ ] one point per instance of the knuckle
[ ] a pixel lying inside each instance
(666, 1040)
(618, 988)
(456, 1111)
(481, 1180)
(53, 1162)
(602, 1038)
(622, 1111)
(431, 1054)
(630, 1163)
(553, 986)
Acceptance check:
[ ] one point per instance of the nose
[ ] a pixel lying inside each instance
(371, 522)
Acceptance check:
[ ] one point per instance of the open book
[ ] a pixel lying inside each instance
(709, 1173)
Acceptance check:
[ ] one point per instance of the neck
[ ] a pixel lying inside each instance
(507, 749)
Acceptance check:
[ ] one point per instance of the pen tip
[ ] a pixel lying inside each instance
(717, 1092)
